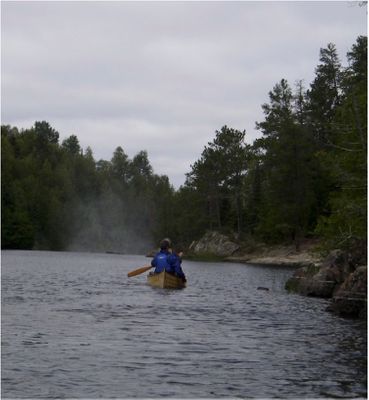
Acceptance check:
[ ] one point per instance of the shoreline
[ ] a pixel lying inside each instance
(292, 260)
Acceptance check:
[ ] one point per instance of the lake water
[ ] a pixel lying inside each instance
(74, 326)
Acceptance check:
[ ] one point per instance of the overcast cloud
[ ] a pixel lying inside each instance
(160, 76)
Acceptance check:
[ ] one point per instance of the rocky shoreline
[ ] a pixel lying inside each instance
(341, 276)
(224, 248)
(285, 257)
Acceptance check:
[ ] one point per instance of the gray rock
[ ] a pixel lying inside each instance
(321, 281)
(216, 244)
(336, 278)
(350, 299)
(312, 281)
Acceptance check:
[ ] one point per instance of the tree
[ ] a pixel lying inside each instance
(45, 133)
(140, 165)
(187, 220)
(71, 145)
(325, 94)
(57, 196)
(286, 158)
(120, 165)
(253, 191)
(346, 225)
(219, 176)
(229, 145)
(205, 178)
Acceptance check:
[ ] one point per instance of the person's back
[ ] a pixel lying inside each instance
(160, 261)
(175, 262)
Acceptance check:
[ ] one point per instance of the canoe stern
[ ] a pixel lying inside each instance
(165, 281)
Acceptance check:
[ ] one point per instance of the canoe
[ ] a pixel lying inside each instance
(165, 280)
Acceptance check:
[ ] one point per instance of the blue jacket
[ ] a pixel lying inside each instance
(175, 262)
(160, 261)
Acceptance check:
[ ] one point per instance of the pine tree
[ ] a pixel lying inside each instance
(325, 95)
(219, 174)
(346, 225)
(286, 158)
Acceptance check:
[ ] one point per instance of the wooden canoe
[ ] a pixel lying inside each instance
(165, 280)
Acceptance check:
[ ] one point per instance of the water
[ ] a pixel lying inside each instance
(74, 326)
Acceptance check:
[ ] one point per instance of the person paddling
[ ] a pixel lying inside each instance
(161, 259)
(175, 261)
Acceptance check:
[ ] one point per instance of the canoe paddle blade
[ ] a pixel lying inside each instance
(139, 271)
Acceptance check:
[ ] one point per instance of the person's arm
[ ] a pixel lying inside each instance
(180, 270)
(177, 267)
(154, 262)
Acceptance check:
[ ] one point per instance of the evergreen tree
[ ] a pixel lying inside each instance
(218, 175)
(71, 145)
(325, 94)
(346, 225)
(253, 191)
(287, 159)
(205, 178)
(57, 196)
(120, 165)
(309, 168)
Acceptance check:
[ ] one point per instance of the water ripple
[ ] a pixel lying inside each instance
(73, 326)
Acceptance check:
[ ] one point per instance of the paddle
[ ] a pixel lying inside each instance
(139, 271)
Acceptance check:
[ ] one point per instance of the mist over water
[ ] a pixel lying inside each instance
(109, 223)
(74, 326)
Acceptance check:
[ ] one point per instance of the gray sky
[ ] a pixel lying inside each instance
(160, 76)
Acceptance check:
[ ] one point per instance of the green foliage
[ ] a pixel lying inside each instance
(325, 94)
(288, 163)
(219, 177)
(71, 146)
(188, 220)
(346, 225)
(306, 175)
(58, 197)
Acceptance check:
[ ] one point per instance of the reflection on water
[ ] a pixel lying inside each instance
(74, 326)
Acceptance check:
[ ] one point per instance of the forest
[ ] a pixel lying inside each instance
(305, 177)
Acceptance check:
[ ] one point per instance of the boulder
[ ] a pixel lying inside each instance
(340, 265)
(323, 280)
(312, 281)
(338, 278)
(350, 299)
(214, 243)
